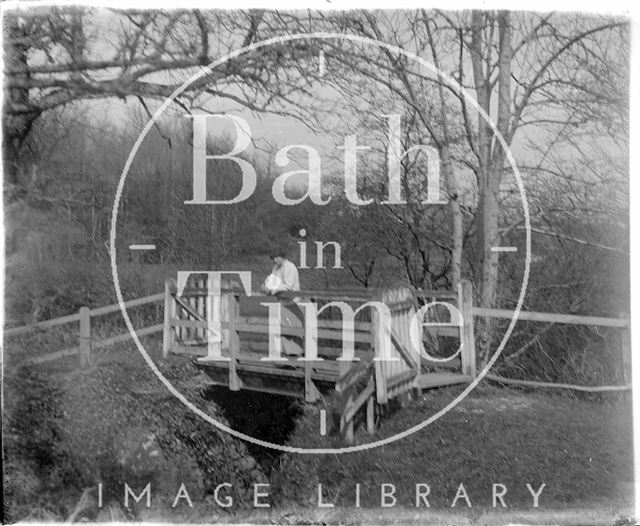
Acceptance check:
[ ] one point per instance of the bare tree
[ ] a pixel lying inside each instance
(55, 56)
(528, 72)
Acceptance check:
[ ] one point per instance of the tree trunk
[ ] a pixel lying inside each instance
(456, 215)
(490, 188)
(16, 124)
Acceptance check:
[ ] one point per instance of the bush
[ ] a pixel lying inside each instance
(112, 425)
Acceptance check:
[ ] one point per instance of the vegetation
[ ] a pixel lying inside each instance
(66, 431)
(538, 432)
(563, 114)
(82, 83)
(73, 438)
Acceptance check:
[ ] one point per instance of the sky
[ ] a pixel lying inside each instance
(271, 132)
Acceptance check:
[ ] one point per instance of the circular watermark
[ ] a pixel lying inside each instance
(207, 71)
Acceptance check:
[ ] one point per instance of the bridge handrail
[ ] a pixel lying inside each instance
(350, 401)
(330, 294)
(360, 293)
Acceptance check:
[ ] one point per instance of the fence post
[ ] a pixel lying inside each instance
(346, 426)
(215, 306)
(234, 342)
(85, 337)
(311, 393)
(167, 332)
(379, 366)
(371, 423)
(467, 338)
(625, 341)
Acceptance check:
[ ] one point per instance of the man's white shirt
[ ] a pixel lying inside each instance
(288, 273)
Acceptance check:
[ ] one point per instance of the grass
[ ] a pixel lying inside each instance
(67, 429)
(581, 450)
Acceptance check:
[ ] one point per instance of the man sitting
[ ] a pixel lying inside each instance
(284, 275)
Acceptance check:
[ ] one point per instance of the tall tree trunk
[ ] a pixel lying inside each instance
(456, 215)
(490, 186)
(479, 48)
(450, 176)
(15, 126)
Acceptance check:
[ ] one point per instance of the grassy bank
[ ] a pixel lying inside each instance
(580, 450)
(66, 430)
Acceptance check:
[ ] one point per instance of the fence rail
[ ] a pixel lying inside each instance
(554, 385)
(86, 345)
(15, 331)
(551, 317)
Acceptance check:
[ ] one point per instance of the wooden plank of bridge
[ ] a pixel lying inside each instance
(353, 404)
(379, 368)
(344, 389)
(371, 424)
(258, 378)
(430, 380)
(311, 393)
(234, 342)
(167, 332)
(357, 402)
(346, 426)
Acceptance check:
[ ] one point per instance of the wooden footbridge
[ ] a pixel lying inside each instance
(371, 364)
(245, 340)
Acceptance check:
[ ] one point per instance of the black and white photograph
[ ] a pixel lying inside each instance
(326, 263)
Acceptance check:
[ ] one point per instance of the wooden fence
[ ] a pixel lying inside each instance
(623, 323)
(86, 345)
